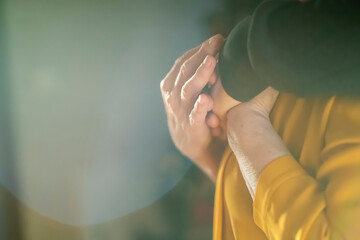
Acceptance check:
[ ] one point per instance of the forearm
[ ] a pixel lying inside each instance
(254, 142)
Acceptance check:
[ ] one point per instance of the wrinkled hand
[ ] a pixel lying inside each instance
(188, 110)
(252, 137)
(261, 104)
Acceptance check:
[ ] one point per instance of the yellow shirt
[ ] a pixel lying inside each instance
(313, 194)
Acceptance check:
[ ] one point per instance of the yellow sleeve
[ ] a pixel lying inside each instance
(291, 204)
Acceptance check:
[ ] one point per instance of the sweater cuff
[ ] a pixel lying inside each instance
(274, 174)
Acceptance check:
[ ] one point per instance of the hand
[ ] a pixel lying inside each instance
(188, 110)
(252, 137)
(261, 104)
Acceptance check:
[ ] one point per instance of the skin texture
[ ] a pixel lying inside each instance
(189, 111)
(252, 137)
(200, 125)
(248, 129)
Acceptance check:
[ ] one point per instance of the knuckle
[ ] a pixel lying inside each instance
(204, 45)
(187, 53)
(162, 85)
(178, 61)
(170, 101)
(192, 119)
(184, 68)
(205, 48)
(197, 111)
(186, 91)
(181, 59)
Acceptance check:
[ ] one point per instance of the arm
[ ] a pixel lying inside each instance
(289, 203)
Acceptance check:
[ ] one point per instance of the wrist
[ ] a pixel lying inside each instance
(254, 142)
(245, 114)
(209, 159)
(208, 164)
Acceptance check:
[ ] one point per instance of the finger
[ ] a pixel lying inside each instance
(171, 103)
(202, 106)
(212, 120)
(213, 78)
(216, 132)
(167, 83)
(198, 81)
(219, 132)
(188, 68)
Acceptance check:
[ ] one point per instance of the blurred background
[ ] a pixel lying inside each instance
(85, 151)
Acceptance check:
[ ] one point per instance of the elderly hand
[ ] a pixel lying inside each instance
(189, 111)
(261, 104)
(252, 137)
